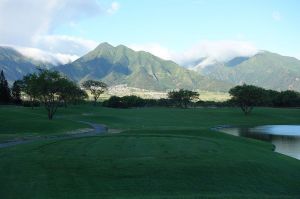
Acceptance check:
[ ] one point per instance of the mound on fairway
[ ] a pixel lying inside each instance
(148, 164)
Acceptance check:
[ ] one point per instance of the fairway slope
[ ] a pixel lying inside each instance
(161, 153)
(148, 164)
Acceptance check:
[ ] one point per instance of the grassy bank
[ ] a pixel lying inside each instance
(163, 153)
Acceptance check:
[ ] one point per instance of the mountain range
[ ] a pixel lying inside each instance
(15, 65)
(122, 65)
(265, 69)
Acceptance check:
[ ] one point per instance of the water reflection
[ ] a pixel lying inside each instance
(286, 138)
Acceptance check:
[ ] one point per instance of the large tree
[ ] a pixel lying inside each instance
(247, 96)
(70, 92)
(16, 92)
(29, 86)
(95, 87)
(5, 95)
(182, 97)
(49, 87)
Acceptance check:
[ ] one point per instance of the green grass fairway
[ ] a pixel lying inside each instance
(163, 153)
(18, 122)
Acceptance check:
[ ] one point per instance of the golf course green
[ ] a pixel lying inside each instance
(157, 153)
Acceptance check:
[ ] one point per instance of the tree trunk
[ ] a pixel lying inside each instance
(95, 101)
(246, 109)
(31, 103)
(50, 115)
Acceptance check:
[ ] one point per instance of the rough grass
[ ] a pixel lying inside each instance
(164, 153)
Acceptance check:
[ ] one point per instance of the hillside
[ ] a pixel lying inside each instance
(15, 65)
(265, 69)
(121, 65)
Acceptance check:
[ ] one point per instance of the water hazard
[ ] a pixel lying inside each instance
(286, 138)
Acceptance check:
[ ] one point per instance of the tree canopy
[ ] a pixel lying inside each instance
(50, 88)
(247, 96)
(95, 87)
(16, 92)
(182, 97)
(5, 95)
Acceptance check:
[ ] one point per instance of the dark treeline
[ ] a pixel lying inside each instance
(249, 96)
(181, 98)
(245, 96)
(135, 101)
(48, 88)
(51, 89)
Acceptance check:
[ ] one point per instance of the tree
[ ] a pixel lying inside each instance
(5, 95)
(16, 92)
(29, 86)
(78, 95)
(48, 87)
(247, 96)
(287, 99)
(182, 97)
(96, 88)
(70, 92)
(124, 102)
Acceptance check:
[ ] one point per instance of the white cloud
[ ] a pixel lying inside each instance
(276, 16)
(155, 49)
(57, 49)
(44, 56)
(297, 55)
(64, 44)
(222, 50)
(203, 63)
(31, 23)
(114, 7)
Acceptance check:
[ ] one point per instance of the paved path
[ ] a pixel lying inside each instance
(97, 130)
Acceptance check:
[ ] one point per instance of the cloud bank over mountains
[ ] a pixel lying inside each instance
(65, 49)
(32, 24)
(223, 50)
(30, 27)
(45, 56)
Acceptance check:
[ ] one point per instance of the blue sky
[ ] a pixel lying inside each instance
(178, 24)
(166, 28)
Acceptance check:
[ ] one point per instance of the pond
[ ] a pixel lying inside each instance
(285, 138)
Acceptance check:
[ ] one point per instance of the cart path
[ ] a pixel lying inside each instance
(97, 129)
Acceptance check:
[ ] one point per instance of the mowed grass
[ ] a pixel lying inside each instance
(163, 153)
(171, 118)
(19, 122)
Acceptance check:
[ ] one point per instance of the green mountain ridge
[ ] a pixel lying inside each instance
(15, 65)
(265, 69)
(122, 65)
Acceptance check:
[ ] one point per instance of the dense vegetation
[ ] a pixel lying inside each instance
(181, 98)
(51, 88)
(248, 96)
(5, 95)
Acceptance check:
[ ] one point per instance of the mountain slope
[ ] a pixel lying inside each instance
(265, 69)
(121, 65)
(15, 65)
